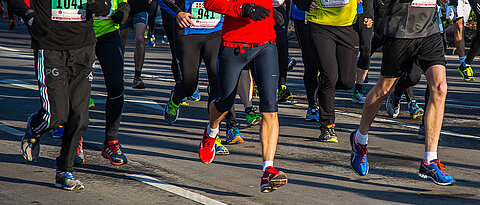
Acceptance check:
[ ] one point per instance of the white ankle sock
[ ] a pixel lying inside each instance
(361, 139)
(430, 156)
(212, 132)
(267, 164)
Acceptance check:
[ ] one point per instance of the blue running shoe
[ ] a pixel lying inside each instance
(67, 181)
(171, 110)
(195, 96)
(435, 171)
(312, 114)
(233, 135)
(414, 109)
(358, 158)
(30, 144)
(58, 132)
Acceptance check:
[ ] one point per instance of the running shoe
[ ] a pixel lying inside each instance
(138, 83)
(328, 134)
(466, 72)
(358, 97)
(206, 150)
(67, 181)
(421, 133)
(80, 158)
(272, 179)
(195, 96)
(414, 109)
(233, 135)
(171, 110)
(392, 105)
(435, 171)
(12, 24)
(251, 117)
(312, 114)
(283, 94)
(219, 148)
(58, 132)
(358, 157)
(184, 102)
(112, 152)
(30, 144)
(291, 63)
(151, 41)
(91, 104)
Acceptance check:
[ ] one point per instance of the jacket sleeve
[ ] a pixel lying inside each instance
(18, 7)
(169, 6)
(231, 8)
(368, 8)
(303, 5)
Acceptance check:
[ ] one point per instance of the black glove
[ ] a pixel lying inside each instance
(278, 17)
(99, 7)
(121, 14)
(255, 12)
(35, 26)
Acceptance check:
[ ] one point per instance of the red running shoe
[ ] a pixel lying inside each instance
(206, 150)
(272, 179)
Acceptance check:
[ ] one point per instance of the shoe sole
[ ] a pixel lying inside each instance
(139, 86)
(418, 113)
(276, 182)
(75, 188)
(106, 156)
(311, 120)
(237, 140)
(254, 123)
(434, 181)
(329, 140)
(357, 102)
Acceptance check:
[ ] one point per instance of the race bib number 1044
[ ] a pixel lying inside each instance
(69, 10)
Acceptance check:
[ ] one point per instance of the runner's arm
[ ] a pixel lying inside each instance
(368, 9)
(230, 8)
(169, 6)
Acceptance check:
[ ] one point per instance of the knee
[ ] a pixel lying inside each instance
(439, 91)
(115, 91)
(139, 39)
(268, 105)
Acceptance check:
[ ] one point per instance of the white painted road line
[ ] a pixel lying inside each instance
(174, 189)
(9, 49)
(11, 130)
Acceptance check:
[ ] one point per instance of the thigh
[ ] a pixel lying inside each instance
(109, 53)
(431, 52)
(266, 62)
(230, 64)
(188, 49)
(209, 51)
(325, 47)
(395, 52)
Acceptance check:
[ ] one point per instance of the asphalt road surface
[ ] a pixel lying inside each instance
(164, 168)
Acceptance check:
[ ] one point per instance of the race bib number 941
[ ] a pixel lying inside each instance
(204, 18)
(69, 10)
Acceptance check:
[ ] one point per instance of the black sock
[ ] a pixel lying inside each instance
(138, 73)
(358, 87)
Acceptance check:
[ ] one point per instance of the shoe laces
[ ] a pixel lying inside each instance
(80, 147)
(363, 152)
(440, 166)
(114, 147)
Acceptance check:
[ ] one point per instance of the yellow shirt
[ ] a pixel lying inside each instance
(333, 12)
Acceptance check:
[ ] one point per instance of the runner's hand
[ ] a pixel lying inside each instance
(358, 1)
(368, 22)
(121, 14)
(313, 5)
(255, 12)
(183, 19)
(99, 7)
(35, 26)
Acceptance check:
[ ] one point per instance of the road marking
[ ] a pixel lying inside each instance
(392, 122)
(174, 189)
(12, 131)
(146, 103)
(9, 49)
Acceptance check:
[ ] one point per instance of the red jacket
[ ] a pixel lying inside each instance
(237, 28)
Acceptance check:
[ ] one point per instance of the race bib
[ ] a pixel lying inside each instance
(69, 10)
(334, 3)
(204, 18)
(424, 3)
(109, 14)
